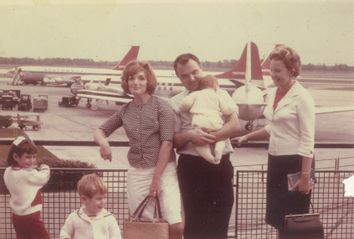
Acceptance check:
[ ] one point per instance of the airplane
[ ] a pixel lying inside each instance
(166, 88)
(168, 85)
(245, 82)
(46, 74)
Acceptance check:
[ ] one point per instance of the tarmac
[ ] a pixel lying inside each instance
(78, 123)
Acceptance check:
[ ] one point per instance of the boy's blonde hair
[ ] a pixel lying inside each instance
(90, 185)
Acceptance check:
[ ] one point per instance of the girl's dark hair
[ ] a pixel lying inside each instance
(20, 146)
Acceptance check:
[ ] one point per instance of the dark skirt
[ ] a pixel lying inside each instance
(281, 201)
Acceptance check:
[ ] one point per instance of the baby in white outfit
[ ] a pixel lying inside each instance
(209, 106)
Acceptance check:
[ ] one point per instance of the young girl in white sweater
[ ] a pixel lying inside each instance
(24, 179)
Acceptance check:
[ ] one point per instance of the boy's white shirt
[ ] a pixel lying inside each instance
(23, 185)
(79, 225)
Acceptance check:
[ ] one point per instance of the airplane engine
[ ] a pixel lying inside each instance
(250, 102)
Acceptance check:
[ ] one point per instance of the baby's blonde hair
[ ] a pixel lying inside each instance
(90, 185)
(208, 81)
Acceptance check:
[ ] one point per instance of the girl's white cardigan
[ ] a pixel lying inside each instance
(23, 185)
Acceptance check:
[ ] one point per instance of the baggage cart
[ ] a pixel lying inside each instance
(29, 120)
(69, 101)
(24, 103)
(40, 103)
(8, 101)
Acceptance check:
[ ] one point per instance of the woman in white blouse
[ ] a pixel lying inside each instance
(290, 111)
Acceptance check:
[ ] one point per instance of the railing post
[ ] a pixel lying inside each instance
(237, 202)
(336, 166)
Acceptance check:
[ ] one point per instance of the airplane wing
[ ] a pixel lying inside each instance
(333, 109)
(117, 97)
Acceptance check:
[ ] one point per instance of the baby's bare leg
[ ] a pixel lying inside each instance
(205, 152)
(219, 148)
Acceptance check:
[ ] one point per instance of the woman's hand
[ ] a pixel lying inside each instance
(106, 153)
(154, 187)
(239, 140)
(304, 184)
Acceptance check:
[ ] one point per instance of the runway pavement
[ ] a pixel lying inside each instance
(78, 123)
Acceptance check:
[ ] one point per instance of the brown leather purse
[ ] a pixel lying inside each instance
(135, 227)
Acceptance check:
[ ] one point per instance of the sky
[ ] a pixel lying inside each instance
(322, 32)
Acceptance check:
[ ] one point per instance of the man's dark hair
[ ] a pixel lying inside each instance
(183, 59)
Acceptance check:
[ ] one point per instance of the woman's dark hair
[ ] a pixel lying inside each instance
(134, 67)
(20, 146)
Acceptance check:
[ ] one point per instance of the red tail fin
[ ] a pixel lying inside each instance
(130, 56)
(239, 70)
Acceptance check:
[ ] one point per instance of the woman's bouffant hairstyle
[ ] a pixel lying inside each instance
(90, 185)
(20, 146)
(134, 67)
(289, 56)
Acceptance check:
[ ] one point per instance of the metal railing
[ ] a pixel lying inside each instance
(60, 198)
(247, 220)
(337, 212)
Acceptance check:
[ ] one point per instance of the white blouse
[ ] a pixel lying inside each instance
(292, 123)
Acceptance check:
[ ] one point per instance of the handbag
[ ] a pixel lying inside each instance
(307, 225)
(136, 228)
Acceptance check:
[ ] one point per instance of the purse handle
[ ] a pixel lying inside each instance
(136, 216)
(140, 208)
(312, 207)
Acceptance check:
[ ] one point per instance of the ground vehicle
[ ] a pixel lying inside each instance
(9, 99)
(40, 103)
(29, 120)
(24, 104)
(5, 121)
(69, 101)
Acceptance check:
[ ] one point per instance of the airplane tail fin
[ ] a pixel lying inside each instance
(238, 72)
(132, 54)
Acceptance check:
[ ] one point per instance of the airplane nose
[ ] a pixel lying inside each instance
(250, 102)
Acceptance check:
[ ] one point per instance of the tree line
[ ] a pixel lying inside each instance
(208, 65)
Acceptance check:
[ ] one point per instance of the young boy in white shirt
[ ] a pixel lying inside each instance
(91, 220)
